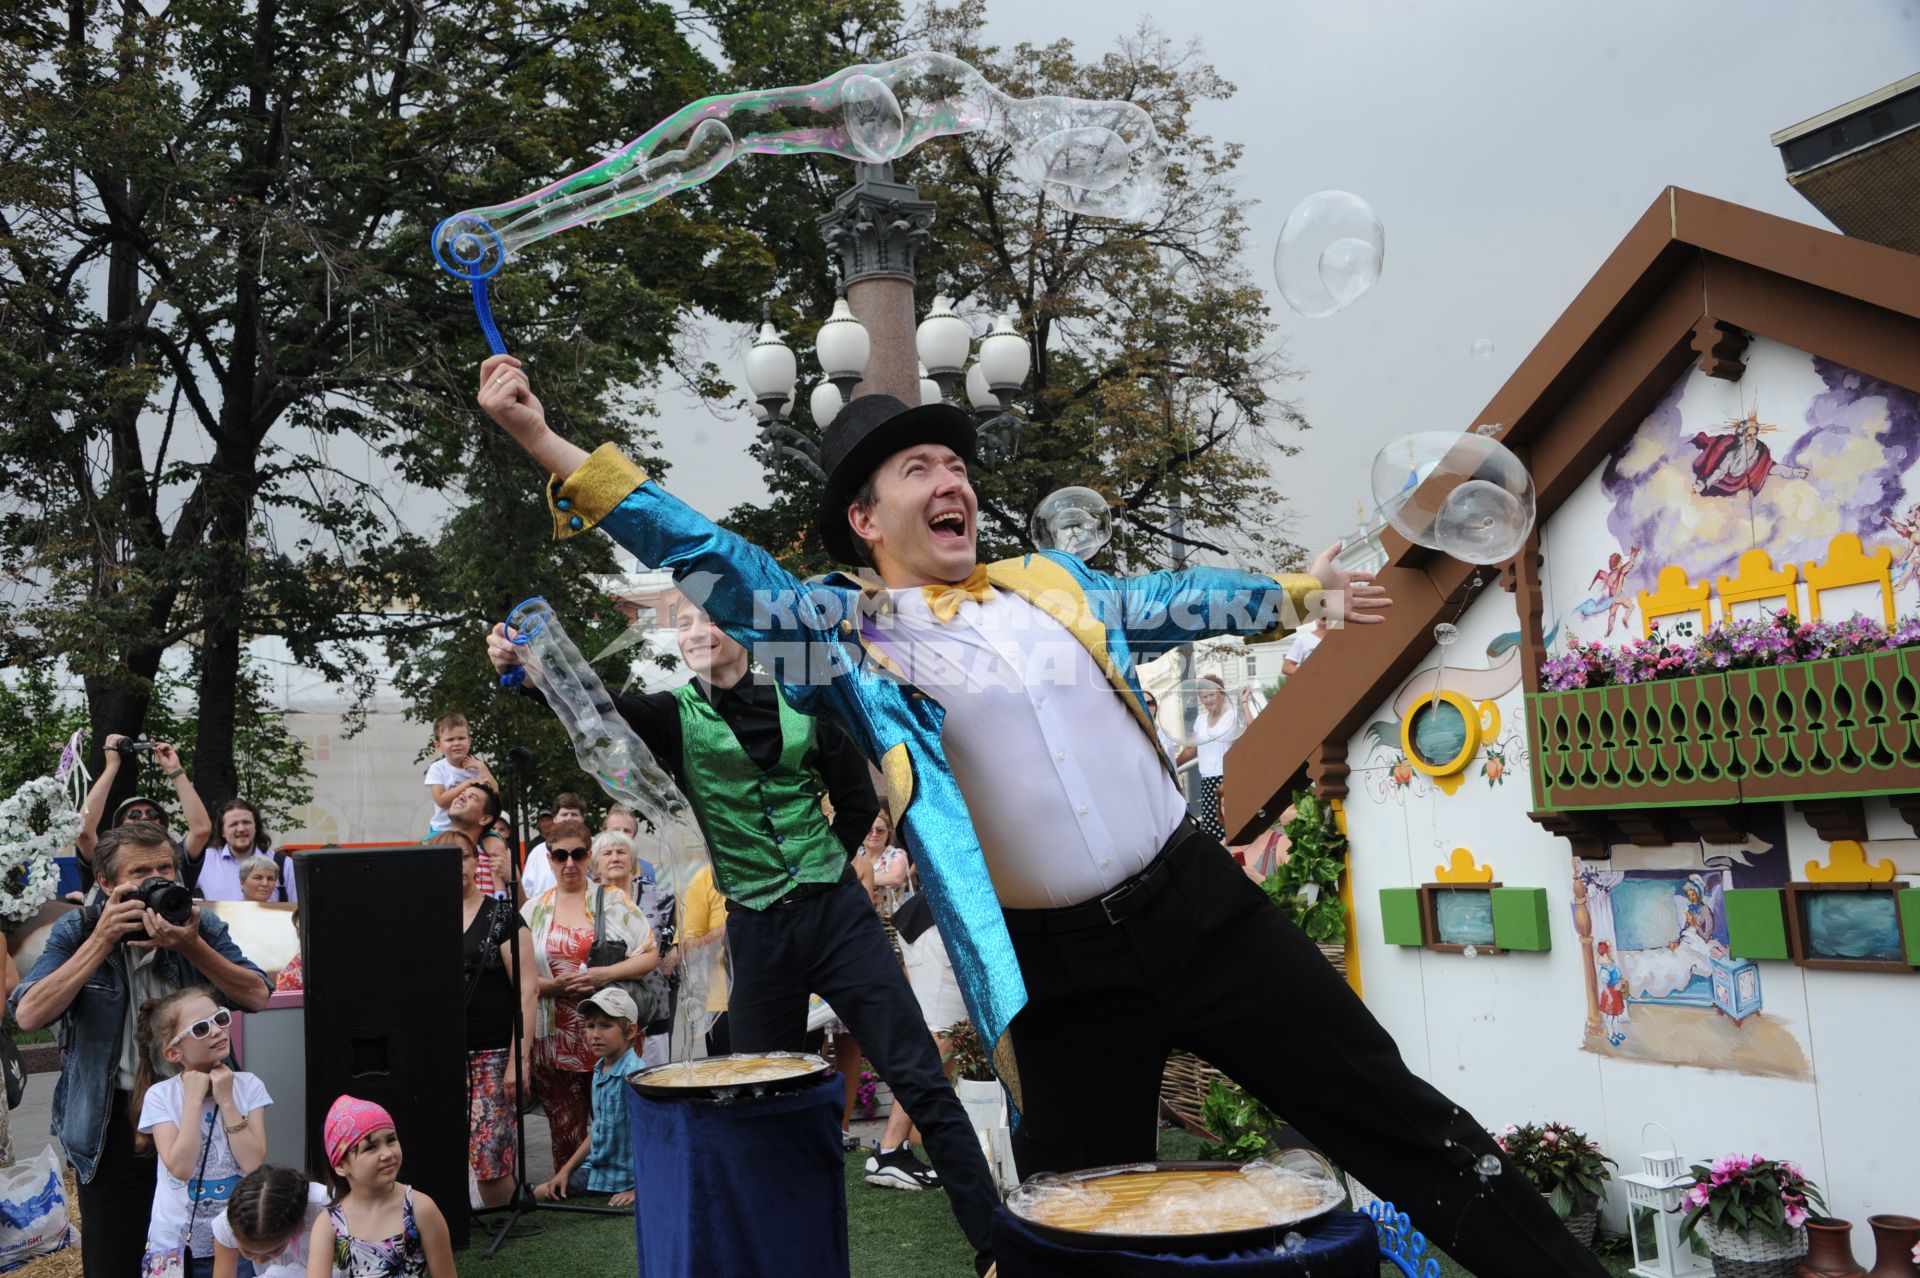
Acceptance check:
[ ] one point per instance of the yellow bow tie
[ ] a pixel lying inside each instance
(945, 600)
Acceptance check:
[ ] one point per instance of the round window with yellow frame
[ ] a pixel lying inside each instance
(1442, 732)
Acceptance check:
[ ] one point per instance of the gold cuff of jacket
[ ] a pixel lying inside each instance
(587, 496)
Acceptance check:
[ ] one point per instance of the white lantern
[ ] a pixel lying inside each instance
(843, 344)
(1004, 357)
(771, 368)
(929, 389)
(1656, 1195)
(943, 338)
(825, 403)
(979, 394)
(760, 410)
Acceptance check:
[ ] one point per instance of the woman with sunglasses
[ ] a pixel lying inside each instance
(141, 808)
(562, 921)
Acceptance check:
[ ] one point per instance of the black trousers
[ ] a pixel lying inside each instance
(117, 1204)
(1211, 966)
(833, 945)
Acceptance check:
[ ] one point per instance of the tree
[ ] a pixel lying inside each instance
(214, 275)
(1156, 377)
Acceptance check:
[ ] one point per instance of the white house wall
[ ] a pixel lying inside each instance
(1504, 1034)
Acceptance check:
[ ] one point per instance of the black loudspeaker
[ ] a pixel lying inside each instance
(380, 943)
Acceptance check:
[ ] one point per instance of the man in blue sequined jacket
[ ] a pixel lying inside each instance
(1092, 927)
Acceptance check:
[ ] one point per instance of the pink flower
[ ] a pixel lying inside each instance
(1509, 1129)
(1796, 1217)
(1550, 1136)
(1697, 1196)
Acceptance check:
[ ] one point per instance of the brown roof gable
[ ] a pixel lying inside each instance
(1690, 280)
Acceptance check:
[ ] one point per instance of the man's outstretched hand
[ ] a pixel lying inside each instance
(1351, 597)
(507, 396)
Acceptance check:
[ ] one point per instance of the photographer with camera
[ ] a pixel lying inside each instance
(119, 748)
(101, 962)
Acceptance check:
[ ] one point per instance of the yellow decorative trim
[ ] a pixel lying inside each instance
(897, 768)
(1755, 578)
(1847, 863)
(1848, 564)
(1674, 596)
(1469, 716)
(1489, 720)
(1346, 902)
(1007, 1067)
(589, 495)
(1462, 869)
(1052, 589)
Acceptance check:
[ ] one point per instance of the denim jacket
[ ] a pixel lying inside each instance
(90, 1030)
(820, 632)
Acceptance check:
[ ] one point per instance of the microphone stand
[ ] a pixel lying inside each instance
(523, 1203)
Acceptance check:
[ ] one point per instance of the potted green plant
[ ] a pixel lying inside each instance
(1753, 1212)
(981, 1096)
(1242, 1127)
(1565, 1166)
(1307, 884)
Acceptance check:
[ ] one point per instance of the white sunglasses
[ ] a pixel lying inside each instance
(205, 1026)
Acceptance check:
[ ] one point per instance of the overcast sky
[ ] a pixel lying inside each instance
(1507, 148)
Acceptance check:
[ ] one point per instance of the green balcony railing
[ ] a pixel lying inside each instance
(1815, 729)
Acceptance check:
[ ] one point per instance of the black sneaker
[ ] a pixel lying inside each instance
(900, 1170)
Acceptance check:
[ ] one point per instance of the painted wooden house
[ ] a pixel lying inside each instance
(1690, 901)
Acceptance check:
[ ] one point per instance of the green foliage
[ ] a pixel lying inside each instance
(1243, 1125)
(1559, 1162)
(39, 722)
(1307, 884)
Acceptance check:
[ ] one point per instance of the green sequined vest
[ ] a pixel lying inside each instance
(764, 830)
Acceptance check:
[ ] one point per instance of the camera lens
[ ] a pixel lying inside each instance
(166, 898)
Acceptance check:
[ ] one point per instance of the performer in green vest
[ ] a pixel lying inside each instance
(798, 920)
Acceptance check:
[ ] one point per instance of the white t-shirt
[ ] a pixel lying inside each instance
(292, 1260)
(173, 1203)
(536, 876)
(1304, 642)
(442, 773)
(1212, 737)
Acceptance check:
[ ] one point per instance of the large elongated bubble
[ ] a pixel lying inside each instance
(1330, 253)
(1099, 158)
(1461, 493)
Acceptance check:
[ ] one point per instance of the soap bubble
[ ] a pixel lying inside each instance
(1076, 520)
(1330, 253)
(1472, 951)
(1463, 494)
(1294, 1241)
(873, 120)
(1446, 634)
(1482, 348)
(1489, 1165)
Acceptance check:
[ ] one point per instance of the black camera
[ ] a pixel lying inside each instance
(134, 747)
(163, 896)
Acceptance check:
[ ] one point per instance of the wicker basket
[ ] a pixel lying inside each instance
(1583, 1225)
(1753, 1256)
(1336, 955)
(1184, 1084)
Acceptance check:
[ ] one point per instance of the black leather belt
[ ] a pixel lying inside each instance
(1124, 900)
(806, 891)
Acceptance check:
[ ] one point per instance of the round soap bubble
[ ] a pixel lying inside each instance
(873, 120)
(1076, 520)
(1463, 494)
(1446, 634)
(1489, 1165)
(1482, 348)
(1330, 253)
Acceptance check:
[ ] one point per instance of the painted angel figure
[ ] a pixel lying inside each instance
(1736, 461)
(1908, 568)
(1612, 582)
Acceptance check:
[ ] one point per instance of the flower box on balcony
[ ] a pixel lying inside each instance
(1839, 726)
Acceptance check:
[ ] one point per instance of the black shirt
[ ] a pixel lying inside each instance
(751, 708)
(489, 990)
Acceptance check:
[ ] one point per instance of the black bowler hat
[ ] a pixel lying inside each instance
(865, 433)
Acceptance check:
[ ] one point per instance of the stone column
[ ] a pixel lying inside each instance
(877, 226)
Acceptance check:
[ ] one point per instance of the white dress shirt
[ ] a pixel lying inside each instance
(1066, 793)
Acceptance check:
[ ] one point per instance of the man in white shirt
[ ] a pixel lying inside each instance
(1304, 642)
(537, 875)
(1133, 930)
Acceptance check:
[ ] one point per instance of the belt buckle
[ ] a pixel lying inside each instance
(1120, 893)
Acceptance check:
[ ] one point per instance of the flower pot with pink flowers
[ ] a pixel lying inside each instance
(1565, 1166)
(1752, 1212)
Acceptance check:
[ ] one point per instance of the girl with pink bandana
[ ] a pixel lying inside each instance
(376, 1227)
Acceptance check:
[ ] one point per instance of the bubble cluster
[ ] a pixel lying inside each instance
(1461, 493)
(1076, 520)
(1330, 253)
(1102, 158)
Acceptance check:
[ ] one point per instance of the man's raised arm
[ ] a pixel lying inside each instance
(742, 587)
(1164, 608)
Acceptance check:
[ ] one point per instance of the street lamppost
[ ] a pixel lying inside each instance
(871, 343)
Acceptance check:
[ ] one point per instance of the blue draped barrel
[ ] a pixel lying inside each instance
(1339, 1245)
(746, 1187)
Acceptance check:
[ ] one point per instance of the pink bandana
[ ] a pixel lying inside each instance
(351, 1120)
